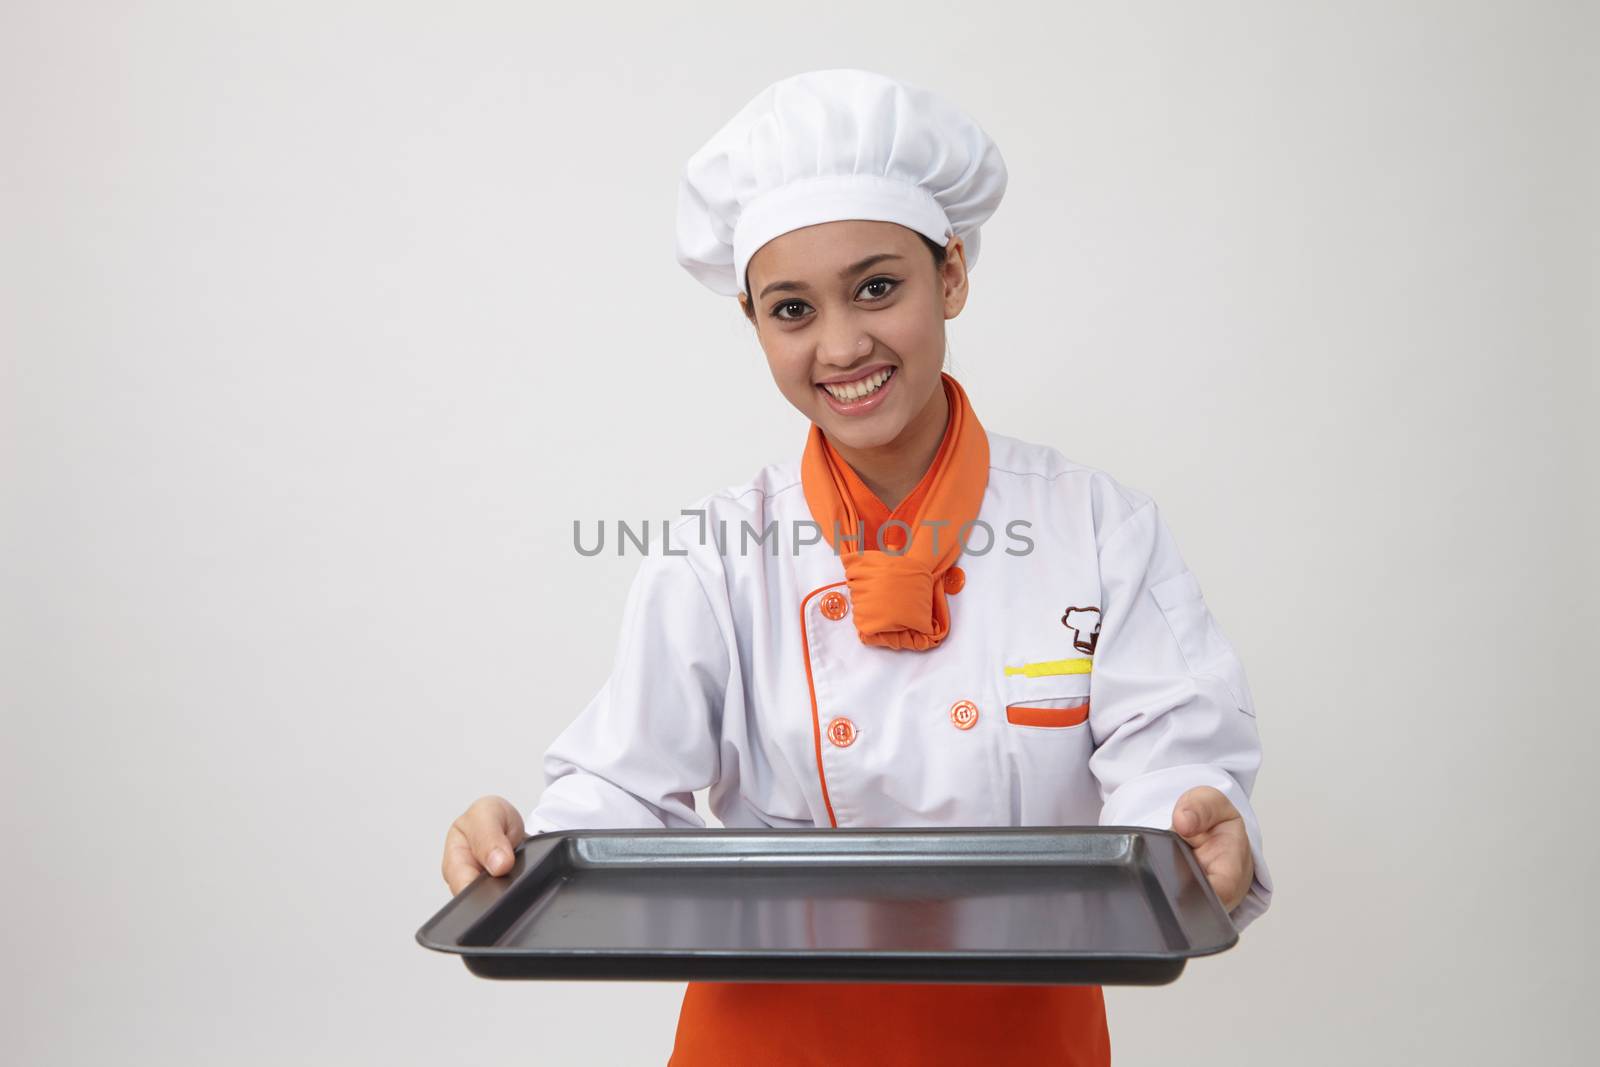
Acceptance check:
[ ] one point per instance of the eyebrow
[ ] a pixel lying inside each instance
(853, 268)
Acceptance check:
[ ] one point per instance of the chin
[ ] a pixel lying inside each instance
(859, 435)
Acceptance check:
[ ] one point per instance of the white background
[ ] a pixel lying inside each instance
(321, 322)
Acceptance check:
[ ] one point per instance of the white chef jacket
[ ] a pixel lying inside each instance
(730, 675)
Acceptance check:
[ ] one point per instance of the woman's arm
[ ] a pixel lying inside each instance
(636, 754)
(645, 743)
(1170, 707)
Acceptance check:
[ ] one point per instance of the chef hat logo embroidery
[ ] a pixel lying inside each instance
(1085, 626)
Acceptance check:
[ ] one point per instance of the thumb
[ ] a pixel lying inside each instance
(500, 858)
(1186, 821)
(1200, 809)
(502, 851)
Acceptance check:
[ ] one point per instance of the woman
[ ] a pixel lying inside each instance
(920, 622)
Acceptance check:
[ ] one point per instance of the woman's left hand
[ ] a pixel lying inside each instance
(1207, 819)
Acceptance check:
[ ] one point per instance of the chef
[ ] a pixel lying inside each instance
(942, 626)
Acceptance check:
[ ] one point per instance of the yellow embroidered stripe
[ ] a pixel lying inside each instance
(1045, 668)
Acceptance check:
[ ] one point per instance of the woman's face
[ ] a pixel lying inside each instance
(851, 316)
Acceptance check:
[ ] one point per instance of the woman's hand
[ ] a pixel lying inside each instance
(1207, 819)
(482, 839)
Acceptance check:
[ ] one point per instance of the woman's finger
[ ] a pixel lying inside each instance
(1228, 884)
(1225, 858)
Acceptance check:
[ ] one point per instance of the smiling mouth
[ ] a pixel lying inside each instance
(851, 392)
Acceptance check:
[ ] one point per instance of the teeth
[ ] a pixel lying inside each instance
(858, 390)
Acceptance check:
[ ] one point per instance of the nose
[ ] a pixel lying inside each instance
(845, 347)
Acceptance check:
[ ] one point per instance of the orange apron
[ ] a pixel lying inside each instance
(845, 1024)
(850, 1024)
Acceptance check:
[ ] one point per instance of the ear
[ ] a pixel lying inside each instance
(953, 276)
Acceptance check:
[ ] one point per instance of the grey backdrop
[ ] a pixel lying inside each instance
(322, 322)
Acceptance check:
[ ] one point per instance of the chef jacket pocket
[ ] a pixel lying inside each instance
(1200, 639)
(1045, 745)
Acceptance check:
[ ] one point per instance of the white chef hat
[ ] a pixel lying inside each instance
(830, 145)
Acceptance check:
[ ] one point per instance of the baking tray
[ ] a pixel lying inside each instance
(1113, 905)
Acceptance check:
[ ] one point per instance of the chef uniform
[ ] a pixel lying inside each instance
(1027, 649)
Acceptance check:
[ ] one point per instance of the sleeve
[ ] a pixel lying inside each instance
(1170, 707)
(635, 755)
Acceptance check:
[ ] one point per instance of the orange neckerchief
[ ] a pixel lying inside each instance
(898, 601)
(873, 512)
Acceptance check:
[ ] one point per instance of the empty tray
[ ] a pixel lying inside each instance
(1062, 905)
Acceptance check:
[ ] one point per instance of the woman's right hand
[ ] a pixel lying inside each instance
(482, 839)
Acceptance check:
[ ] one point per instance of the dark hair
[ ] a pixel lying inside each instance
(936, 249)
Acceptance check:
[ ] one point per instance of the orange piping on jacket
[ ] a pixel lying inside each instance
(811, 688)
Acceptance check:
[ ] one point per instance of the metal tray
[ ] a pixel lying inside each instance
(1060, 905)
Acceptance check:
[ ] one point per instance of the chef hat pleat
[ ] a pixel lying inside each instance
(830, 145)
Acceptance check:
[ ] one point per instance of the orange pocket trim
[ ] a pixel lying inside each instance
(1028, 715)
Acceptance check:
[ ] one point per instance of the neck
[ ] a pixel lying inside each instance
(892, 470)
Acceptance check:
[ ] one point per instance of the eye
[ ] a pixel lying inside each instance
(788, 304)
(890, 282)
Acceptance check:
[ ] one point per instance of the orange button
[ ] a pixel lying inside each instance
(842, 732)
(954, 579)
(834, 604)
(964, 713)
